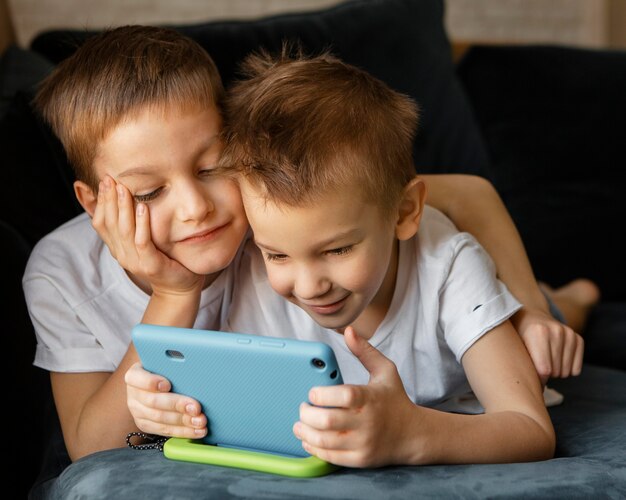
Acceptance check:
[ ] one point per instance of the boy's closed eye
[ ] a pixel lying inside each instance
(340, 251)
(207, 171)
(274, 257)
(279, 257)
(147, 197)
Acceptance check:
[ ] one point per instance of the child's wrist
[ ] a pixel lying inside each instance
(536, 301)
(174, 308)
(419, 443)
(181, 298)
(185, 292)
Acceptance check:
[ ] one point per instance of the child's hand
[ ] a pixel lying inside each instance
(360, 426)
(126, 232)
(555, 349)
(158, 411)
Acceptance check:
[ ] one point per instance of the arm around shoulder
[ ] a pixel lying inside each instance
(475, 207)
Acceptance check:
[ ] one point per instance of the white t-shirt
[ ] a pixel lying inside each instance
(446, 297)
(83, 305)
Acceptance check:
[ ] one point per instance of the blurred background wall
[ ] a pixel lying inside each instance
(6, 28)
(587, 23)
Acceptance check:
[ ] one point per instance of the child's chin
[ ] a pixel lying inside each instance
(331, 323)
(208, 271)
(208, 268)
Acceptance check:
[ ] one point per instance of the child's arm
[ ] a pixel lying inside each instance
(474, 206)
(377, 425)
(92, 407)
(174, 301)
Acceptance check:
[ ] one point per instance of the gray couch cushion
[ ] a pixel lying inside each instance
(590, 462)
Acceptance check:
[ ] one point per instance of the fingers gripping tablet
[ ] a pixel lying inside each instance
(250, 389)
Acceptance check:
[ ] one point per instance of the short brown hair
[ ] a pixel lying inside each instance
(303, 126)
(117, 73)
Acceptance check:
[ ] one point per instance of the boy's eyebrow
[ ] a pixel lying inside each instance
(265, 247)
(150, 170)
(350, 233)
(142, 170)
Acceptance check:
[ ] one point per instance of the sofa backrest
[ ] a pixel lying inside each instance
(554, 122)
(403, 42)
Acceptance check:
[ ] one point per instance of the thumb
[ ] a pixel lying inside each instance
(370, 357)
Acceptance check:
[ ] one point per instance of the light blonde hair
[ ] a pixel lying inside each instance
(301, 127)
(116, 74)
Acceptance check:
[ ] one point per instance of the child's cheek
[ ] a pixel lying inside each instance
(279, 280)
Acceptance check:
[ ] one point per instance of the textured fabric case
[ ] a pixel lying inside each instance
(250, 387)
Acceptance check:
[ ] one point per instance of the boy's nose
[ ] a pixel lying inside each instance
(310, 284)
(194, 204)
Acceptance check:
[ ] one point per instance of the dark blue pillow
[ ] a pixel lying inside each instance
(20, 69)
(36, 194)
(554, 121)
(33, 397)
(403, 42)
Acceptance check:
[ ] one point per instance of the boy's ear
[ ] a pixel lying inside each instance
(86, 197)
(410, 209)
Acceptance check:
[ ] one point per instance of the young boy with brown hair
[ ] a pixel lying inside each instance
(140, 105)
(323, 153)
(138, 112)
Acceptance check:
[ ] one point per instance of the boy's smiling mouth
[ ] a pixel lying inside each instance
(328, 308)
(205, 235)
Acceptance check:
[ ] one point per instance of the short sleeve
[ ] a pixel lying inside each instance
(64, 343)
(472, 300)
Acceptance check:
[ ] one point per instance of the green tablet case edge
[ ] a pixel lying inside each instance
(189, 450)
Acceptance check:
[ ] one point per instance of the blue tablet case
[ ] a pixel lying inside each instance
(250, 387)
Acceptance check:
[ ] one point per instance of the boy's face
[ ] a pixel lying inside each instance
(337, 259)
(166, 161)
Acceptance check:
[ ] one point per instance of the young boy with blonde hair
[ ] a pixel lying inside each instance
(138, 112)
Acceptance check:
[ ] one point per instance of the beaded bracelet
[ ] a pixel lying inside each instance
(154, 442)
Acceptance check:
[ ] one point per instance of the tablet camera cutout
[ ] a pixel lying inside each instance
(175, 355)
(318, 363)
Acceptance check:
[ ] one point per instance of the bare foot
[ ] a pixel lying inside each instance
(575, 301)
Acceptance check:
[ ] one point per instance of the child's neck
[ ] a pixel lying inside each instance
(374, 314)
